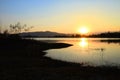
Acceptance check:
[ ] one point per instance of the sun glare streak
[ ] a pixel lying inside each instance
(83, 42)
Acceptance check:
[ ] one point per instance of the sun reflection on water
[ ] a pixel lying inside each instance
(83, 42)
(91, 52)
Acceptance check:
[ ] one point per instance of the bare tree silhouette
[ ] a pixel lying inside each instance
(18, 28)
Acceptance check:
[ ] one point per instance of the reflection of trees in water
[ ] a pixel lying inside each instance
(111, 41)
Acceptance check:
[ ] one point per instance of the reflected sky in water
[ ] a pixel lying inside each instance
(88, 51)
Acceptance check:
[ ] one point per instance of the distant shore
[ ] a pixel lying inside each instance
(49, 34)
(24, 59)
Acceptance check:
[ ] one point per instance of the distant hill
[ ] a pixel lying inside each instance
(41, 34)
(55, 34)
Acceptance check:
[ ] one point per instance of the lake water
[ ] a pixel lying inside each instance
(89, 51)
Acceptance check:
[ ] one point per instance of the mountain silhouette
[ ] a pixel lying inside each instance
(40, 34)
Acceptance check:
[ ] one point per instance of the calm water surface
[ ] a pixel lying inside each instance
(90, 51)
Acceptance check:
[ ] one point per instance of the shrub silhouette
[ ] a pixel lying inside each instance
(14, 31)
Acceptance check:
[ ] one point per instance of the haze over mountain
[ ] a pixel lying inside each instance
(41, 34)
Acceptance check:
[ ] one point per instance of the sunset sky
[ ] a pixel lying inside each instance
(65, 16)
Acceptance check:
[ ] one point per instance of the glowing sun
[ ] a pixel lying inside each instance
(83, 30)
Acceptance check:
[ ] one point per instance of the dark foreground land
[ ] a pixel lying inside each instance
(24, 60)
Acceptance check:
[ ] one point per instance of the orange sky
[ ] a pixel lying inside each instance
(65, 16)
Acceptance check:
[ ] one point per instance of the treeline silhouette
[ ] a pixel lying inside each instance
(100, 35)
(106, 35)
(69, 35)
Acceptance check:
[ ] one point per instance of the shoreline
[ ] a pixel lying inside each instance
(23, 59)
